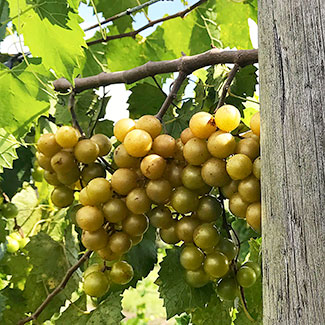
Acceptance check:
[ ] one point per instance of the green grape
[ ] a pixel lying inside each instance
(184, 200)
(238, 206)
(248, 147)
(9, 210)
(94, 240)
(62, 196)
(84, 198)
(103, 144)
(255, 123)
(169, 235)
(72, 213)
(257, 167)
(107, 254)
(123, 160)
(93, 268)
(44, 161)
(136, 240)
(120, 243)
(228, 247)
(246, 276)
(227, 289)
(186, 227)
(92, 171)
(89, 218)
(196, 152)
(99, 190)
(66, 136)
(124, 180)
(221, 144)
(159, 190)
(216, 265)
(239, 166)
(164, 145)
(249, 189)
(96, 284)
(137, 201)
(161, 217)
(121, 272)
(206, 236)
(12, 245)
(115, 210)
(173, 173)
(254, 266)
(197, 278)
(191, 177)
(62, 162)
(51, 178)
(209, 209)
(230, 189)
(150, 124)
(37, 174)
(69, 178)
(86, 151)
(135, 224)
(214, 172)
(253, 216)
(191, 257)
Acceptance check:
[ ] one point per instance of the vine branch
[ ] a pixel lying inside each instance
(59, 288)
(127, 12)
(71, 105)
(162, 91)
(152, 68)
(132, 34)
(226, 86)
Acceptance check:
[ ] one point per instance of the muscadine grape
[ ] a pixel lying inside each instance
(161, 217)
(107, 254)
(62, 162)
(92, 171)
(67, 136)
(186, 135)
(115, 210)
(230, 189)
(135, 224)
(96, 284)
(257, 167)
(159, 190)
(94, 240)
(121, 272)
(249, 189)
(191, 177)
(51, 178)
(86, 151)
(253, 216)
(191, 257)
(137, 143)
(214, 172)
(227, 289)
(44, 161)
(206, 236)
(184, 200)
(169, 235)
(197, 278)
(47, 145)
(246, 276)
(84, 198)
(120, 243)
(216, 264)
(103, 143)
(123, 160)
(89, 218)
(209, 209)
(252, 135)
(255, 123)
(238, 206)
(137, 201)
(221, 144)
(124, 180)
(62, 196)
(248, 147)
(179, 154)
(12, 245)
(93, 268)
(9, 210)
(239, 166)
(254, 266)
(150, 124)
(186, 227)
(153, 166)
(227, 118)
(202, 125)
(122, 128)
(164, 145)
(136, 240)
(70, 177)
(196, 152)
(173, 173)
(228, 247)
(99, 190)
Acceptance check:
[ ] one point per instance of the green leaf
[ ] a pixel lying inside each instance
(105, 127)
(177, 294)
(3, 232)
(4, 15)
(2, 305)
(8, 146)
(23, 90)
(51, 30)
(215, 312)
(145, 99)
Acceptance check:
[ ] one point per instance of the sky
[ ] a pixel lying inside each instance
(117, 105)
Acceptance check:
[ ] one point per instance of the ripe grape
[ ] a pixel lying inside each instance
(51, 178)
(257, 167)
(89, 218)
(185, 228)
(9, 210)
(169, 235)
(120, 243)
(178, 154)
(84, 198)
(202, 125)
(216, 264)
(69, 178)
(249, 189)
(62, 162)
(103, 144)
(184, 200)
(123, 160)
(66, 136)
(227, 289)
(248, 147)
(99, 190)
(135, 224)
(214, 173)
(186, 135)
(121, 272)
(238, 206)
(164, 145)
(92, 171)
(191, 177)
(161, 217)
(62, 196)
(206, 236)
(96, 284)
(115, 210)
(93, 268)
(221, 145)
(124, 180)
(137, 143)
(191, 257)
(107, 254)
(94, 240)
(136, 239)
(149, 124)
(253, 216)
(230, 189)
(227, 118)
(209, 209)
(159, 190)
(239, 166)
(44, 161)
(197, 278)
(47, 145)
(246, 276)
(137, 201)
(196, 152)
(153, 166)
(86, 151)
(255, 123)
(122, 128)
(251, 134)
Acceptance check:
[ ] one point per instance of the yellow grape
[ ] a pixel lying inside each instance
(104, 144)
(164, 145)
(122, 128)
(86, 151)
(99, 190)
(196, 152)
(47, 145)
(150, 124)
(239, 166)
(227, 118)
(255, 123)
(153, 166)
(67, 136)
(202, 125)
(138, 143)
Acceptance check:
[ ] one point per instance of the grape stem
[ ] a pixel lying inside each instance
(244, 305)
(227, 84)
(59, 288)
(71, 105)
(108, 167)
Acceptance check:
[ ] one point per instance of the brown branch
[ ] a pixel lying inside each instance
(180, 14)
(151, 68)
(226, 86)
(172, 95)
(71, 105)
(59, 288)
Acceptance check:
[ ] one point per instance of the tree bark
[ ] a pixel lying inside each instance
(292, 96)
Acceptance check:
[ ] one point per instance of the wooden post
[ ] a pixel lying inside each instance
(292, 96)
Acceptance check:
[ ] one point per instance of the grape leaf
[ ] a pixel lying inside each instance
(2, 304)
(4, 15)
(26, 99)
(216, 312)
(3, 231)
(177, 294)
(51, 30)
(8, 146)
(105, 127)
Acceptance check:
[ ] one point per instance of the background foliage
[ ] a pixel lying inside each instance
(29, 105)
